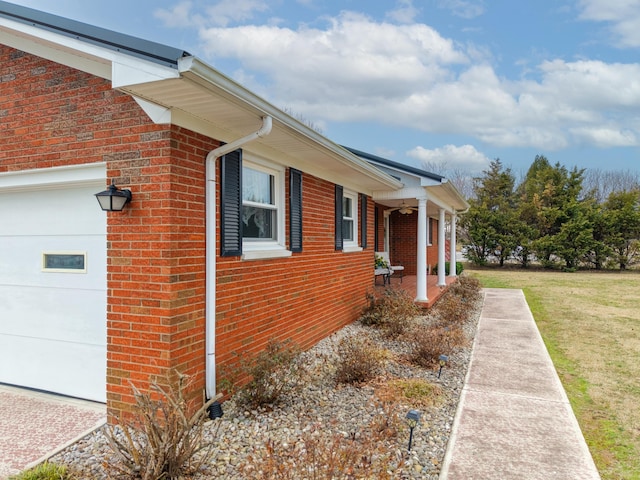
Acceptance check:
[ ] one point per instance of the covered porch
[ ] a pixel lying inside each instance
(409, 284)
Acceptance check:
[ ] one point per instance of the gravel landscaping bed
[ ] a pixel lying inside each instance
(320, 407)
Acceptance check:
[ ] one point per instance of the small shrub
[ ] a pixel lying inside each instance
(44, 471)
(427, 343)
(393, 312)
(359, 360)
(467, 288)
(459, 268)
(450, 310)
(274, 372)
(163, 439)
(414, 391)
(322, 455)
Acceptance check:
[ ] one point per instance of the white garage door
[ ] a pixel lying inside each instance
(53, 281)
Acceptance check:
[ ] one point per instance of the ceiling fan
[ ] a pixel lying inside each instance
(405, 209)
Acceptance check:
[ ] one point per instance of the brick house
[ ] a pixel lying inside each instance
(244, 224)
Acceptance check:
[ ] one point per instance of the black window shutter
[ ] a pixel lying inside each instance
(363, 220)
(295, 210)
(339, 240)
(231, 204)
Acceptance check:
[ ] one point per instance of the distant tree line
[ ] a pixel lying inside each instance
(555, 217)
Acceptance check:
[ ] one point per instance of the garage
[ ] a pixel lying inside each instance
(53, 281)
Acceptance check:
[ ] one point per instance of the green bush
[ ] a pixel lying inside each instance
(273, 372)
(44, 471)
(459, 268)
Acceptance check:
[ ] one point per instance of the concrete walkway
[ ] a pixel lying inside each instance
(514, 420)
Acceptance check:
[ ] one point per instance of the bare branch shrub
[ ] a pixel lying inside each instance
(467, 288)
(163, 440)
(393, 312)
(359, 360)
(317, 455)
(274, 372)
(427, 343)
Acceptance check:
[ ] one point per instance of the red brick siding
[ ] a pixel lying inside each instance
(156, 264)
(52, 115)
(303, 298)
(403, 239)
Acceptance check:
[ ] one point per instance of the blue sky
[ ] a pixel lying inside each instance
(453, 83)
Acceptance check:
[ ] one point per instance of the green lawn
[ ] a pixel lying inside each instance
(590, 323)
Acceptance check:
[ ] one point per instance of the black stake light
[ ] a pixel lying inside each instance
(413, 419)
(113, 199)
(443, 361)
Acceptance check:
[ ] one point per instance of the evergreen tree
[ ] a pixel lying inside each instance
(489, 224)
(621, 213)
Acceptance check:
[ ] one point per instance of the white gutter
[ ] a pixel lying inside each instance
(210, 316)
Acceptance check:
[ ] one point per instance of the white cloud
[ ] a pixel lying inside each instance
(221, 14)
(227, 11)
(404, 13)
(179, 16)
(463, 8)
(623, 17)
(356, 69)
(451, 158)
(606, 137)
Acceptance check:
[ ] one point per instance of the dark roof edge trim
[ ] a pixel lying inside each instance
(120, 42)
(392, 164)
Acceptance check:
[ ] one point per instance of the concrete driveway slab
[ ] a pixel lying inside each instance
(36, 425)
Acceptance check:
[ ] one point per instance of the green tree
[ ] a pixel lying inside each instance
(551, 205)
(489, 224)
(621, 213)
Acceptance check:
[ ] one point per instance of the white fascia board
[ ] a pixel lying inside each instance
(56, 53)
(122, 69)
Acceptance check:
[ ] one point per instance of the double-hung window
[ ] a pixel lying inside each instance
(259, 206)
(262, 213)
(252, 208)
(349, 218)
(346, 220)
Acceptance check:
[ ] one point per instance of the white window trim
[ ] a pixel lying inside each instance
(352, 245)
(64, 270)
(256, 250)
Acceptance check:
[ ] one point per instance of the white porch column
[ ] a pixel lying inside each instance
(421, 263)
(452, 250)
(441, 249)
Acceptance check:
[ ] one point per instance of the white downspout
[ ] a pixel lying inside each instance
(210, 315)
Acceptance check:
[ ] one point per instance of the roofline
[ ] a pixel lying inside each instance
(120, 42)
(214, 77)
(396, 165)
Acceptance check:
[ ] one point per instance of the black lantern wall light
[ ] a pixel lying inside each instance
(113, 199)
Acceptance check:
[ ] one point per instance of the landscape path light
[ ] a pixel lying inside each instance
(413, 419)
(443, 361)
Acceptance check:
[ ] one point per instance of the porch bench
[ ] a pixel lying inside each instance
(385, 273)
